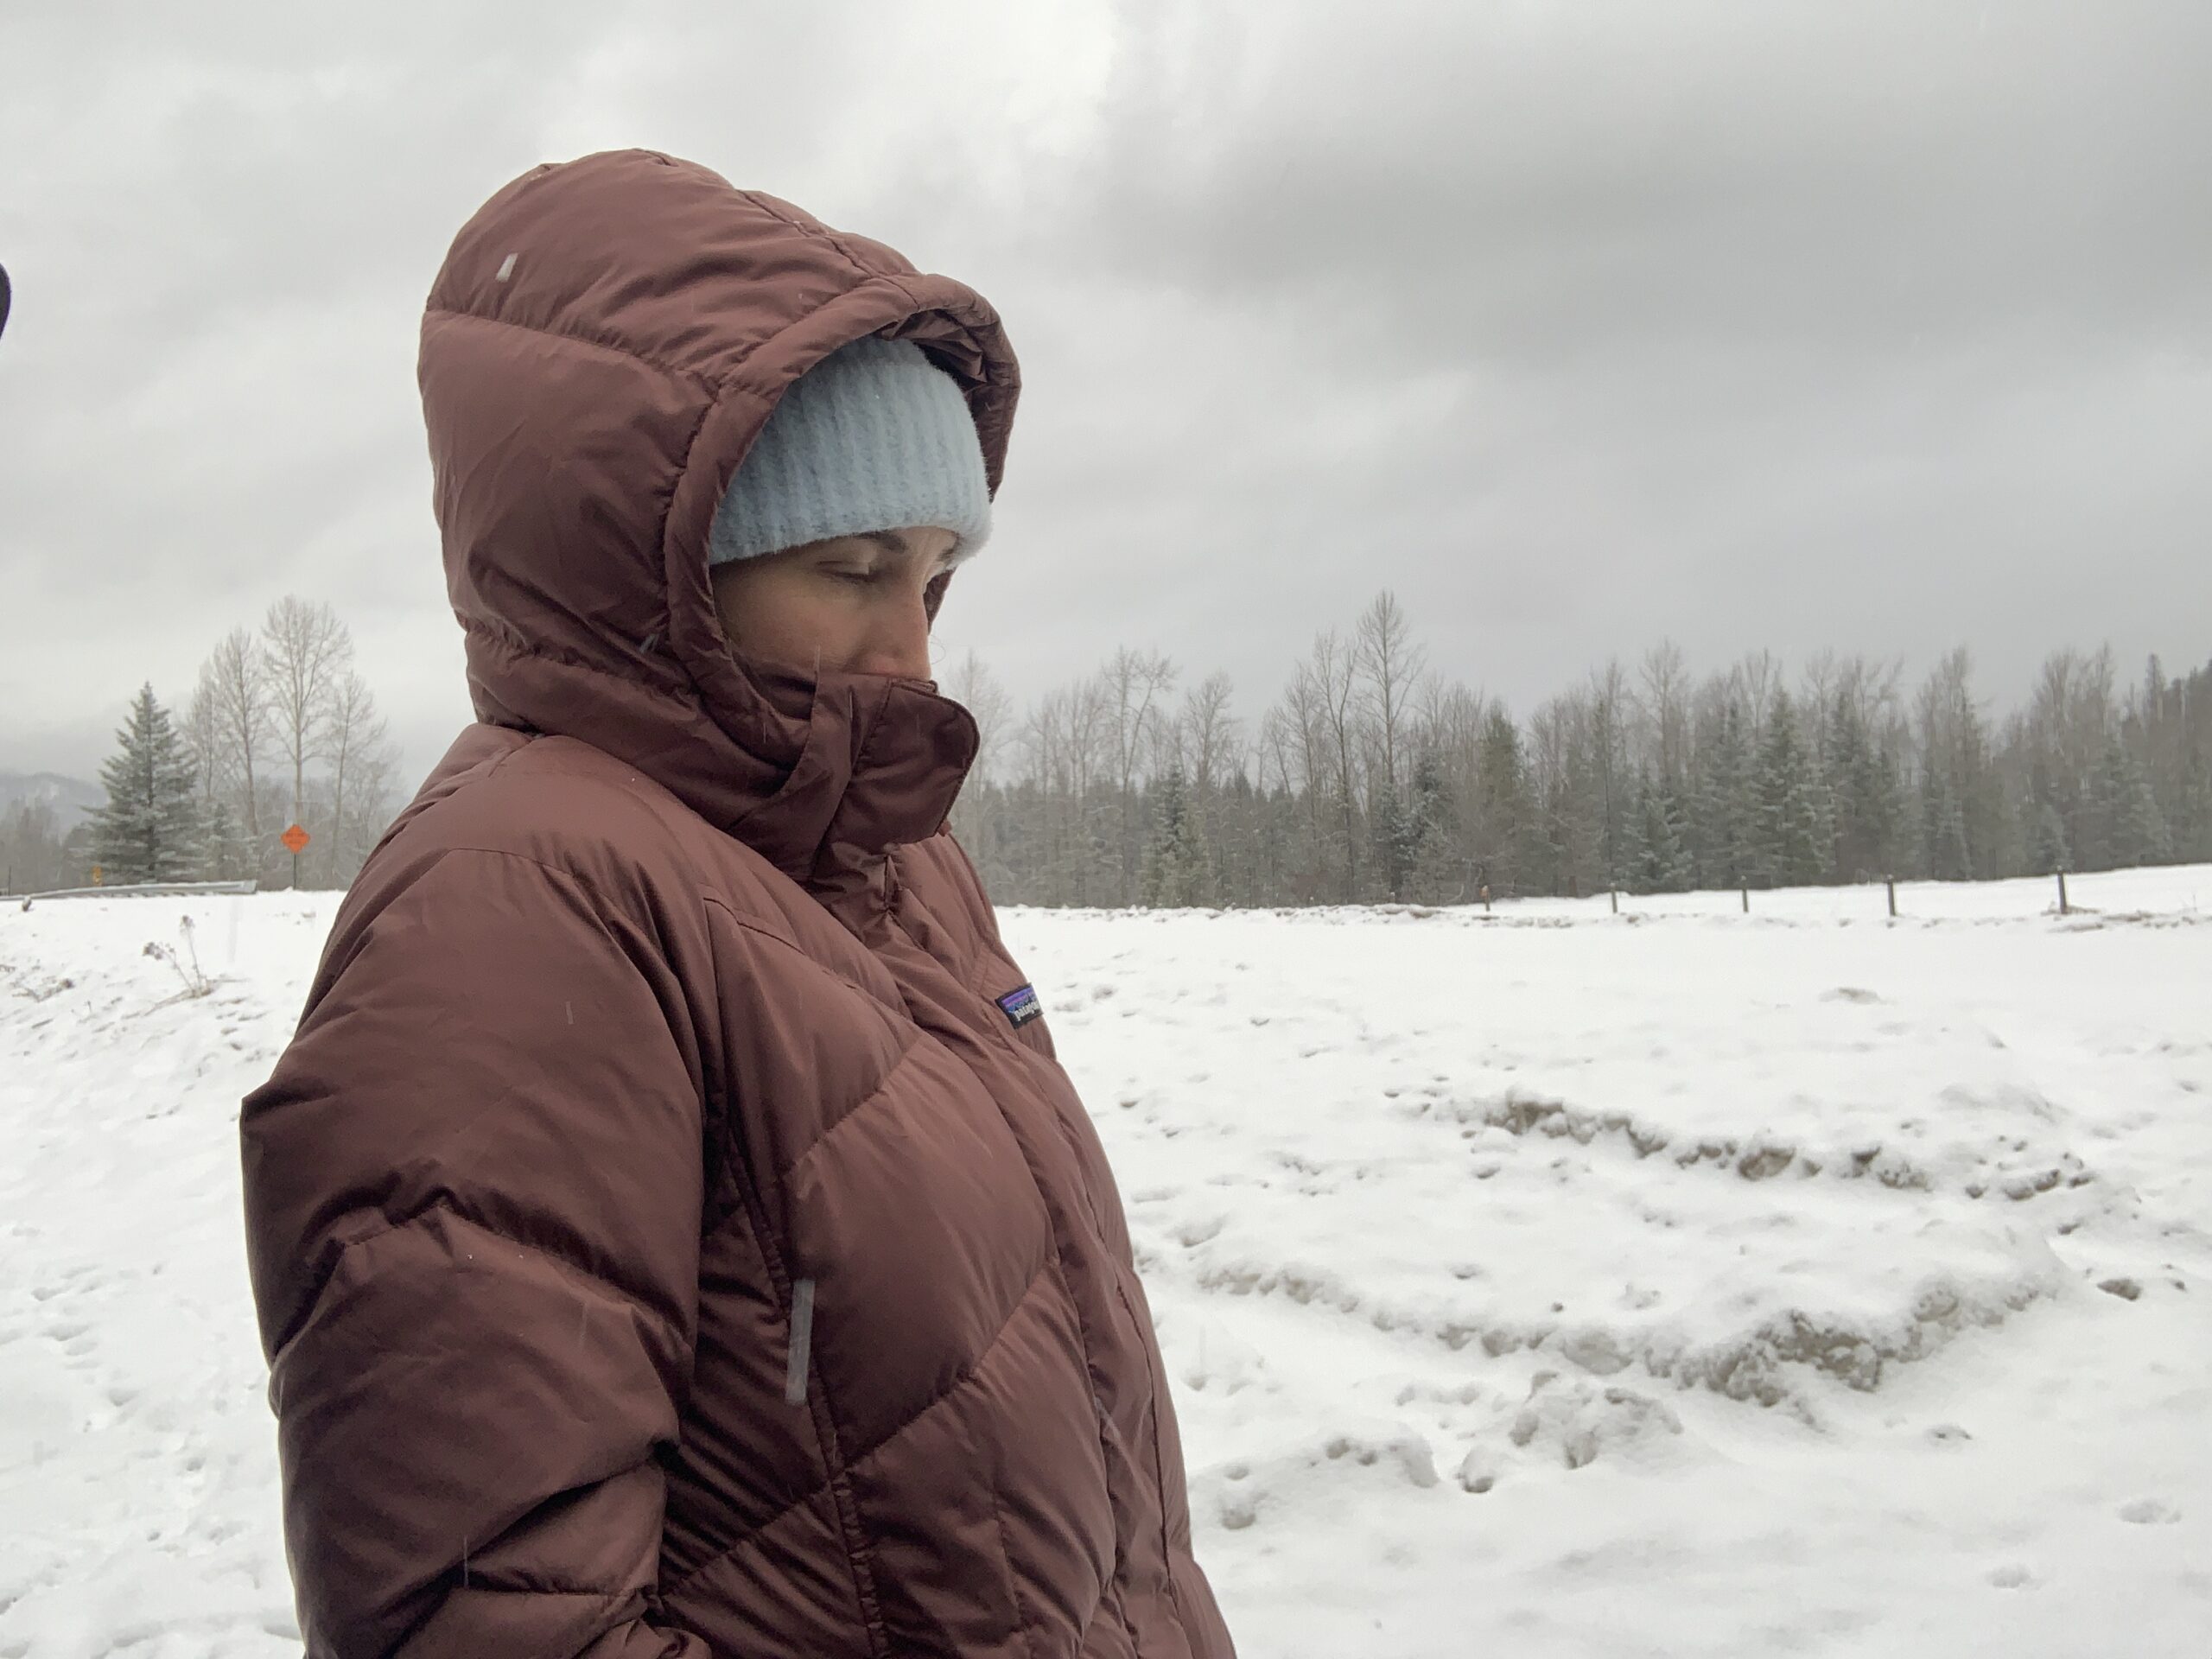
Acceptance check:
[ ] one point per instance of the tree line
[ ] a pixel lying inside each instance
(281, 729)
(1372, 778)
(1369, 778)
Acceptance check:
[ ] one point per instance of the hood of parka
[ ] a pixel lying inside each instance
(604, 342)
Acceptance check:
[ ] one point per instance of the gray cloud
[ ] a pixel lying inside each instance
(1881, 326)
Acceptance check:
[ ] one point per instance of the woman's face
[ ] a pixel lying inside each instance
(853, 604)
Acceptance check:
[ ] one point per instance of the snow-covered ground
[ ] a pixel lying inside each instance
(1547, 1283)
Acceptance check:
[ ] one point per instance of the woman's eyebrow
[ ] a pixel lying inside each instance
(888, 540)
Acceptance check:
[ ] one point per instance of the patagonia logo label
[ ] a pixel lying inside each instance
(1021, 1007)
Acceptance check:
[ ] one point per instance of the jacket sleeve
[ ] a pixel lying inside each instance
(472, 1193)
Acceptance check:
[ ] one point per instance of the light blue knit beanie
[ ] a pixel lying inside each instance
(874, 436)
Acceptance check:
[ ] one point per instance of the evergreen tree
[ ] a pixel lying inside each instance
(2094, 840)
(1822, 800)
(1177, 871)
(1629, 848)
(1878, 804)
(1682, 872)
(1789, 839)
(1862, 788)
(2051, 855)
(1980, 800)
(1432, 854)
(1390, 830)
(2124, 822)
(149, 830)
(1725, 809)
(2139, 830)
(1506, 828)
(2190, 827)
(1662, 862)
(1943, 832)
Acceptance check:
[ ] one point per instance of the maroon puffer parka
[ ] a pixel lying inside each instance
(671, 1232)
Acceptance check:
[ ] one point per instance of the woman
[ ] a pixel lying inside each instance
(671, 1232)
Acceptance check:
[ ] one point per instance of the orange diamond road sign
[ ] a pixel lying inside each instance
(296, 839)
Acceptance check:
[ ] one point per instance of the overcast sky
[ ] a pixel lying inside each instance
(1878, 324)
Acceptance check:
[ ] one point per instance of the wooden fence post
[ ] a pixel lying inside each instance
(1893, 898)
(2064, 909)
(1747, 901)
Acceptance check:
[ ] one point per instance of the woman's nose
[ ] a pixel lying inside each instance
(898, 641)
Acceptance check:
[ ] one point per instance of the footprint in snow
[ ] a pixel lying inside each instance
(2150, 1512)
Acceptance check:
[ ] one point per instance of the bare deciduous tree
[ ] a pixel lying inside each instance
(1389, 665)
(1758, 677)
(1663, 701)
(305, 650)
(971, 683)
(1208, 731)
(235, 682)
(359, 752)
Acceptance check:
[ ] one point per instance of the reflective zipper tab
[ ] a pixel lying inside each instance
(802, 1341)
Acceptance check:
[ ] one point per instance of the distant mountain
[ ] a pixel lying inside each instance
(71, 798)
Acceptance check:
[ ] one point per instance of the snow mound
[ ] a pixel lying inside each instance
(1580, 1418)
(1704, 1252)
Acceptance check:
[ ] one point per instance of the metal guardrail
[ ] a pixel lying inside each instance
(147, 890)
